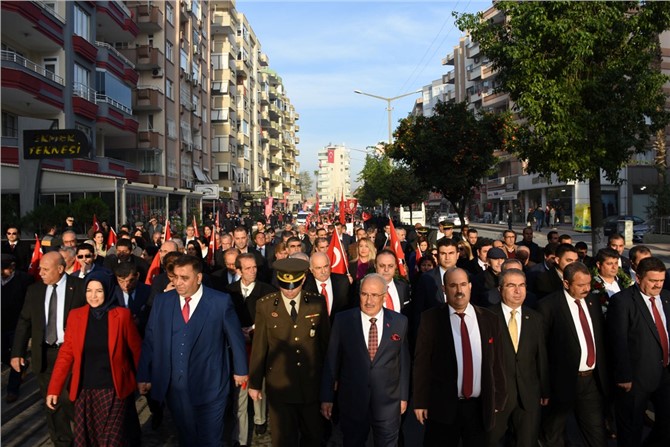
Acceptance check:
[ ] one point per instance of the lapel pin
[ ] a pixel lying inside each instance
(526, 317)
(274, 314)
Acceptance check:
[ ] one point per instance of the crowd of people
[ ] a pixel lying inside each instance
(490, 341)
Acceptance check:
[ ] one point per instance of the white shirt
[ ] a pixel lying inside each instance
(612, 287)
(60, 307)
(329, 290)
(442, 272)
(580, 332)
(287, 303)
(397, 305)
(195, 299)
(246, 290)
(507, 312)
(475, 345)
(482, 264)
(365, 319)
(659, 307)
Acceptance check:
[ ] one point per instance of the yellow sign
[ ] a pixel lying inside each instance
(582, 220)
(61, 143)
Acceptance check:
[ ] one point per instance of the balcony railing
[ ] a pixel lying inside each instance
(99, 97)
(83, 91)
(111, 49)
(48, 6)
(32, 66)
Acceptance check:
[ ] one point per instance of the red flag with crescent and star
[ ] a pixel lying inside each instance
(338, 259)
(397, 249)
(34, 267)
(111, 238)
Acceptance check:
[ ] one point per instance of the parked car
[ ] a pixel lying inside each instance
(451, 217)
(301, 218)
(640, 226)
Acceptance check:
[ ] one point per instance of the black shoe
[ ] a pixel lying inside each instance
(261, 429)
(11, 398)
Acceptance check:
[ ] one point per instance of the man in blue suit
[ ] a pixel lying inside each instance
(368, 357)
(184, 357)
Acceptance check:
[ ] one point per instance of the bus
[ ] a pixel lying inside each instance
(416, 216)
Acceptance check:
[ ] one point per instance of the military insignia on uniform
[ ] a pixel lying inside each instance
(274, 314)
(312, 331)
(312, 315)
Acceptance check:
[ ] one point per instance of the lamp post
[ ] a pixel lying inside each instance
(388, 106)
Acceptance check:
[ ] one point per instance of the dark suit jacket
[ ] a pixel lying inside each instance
(548, 283)
(139, 306)
(527, 370)
(428, 294)
(142, 267)
(216, 329)
(289, 355)
(124, 344)
(22, 252)
(563, 349)
(635, 346)
(367, 388)
(13, 298)
(341, 289)
(31, 321)
(485, 289)
(435, 368)
(246, 308)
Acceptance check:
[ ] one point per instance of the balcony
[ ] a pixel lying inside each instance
(115, 23)
(150, 139)
(263, 60)
(448, 60)
(487, 71)
(30, 88)
(114, 118)
(37, 26)
(495, 99)
(148, 98)
(223, 22)
(276, 161)
(472, 50)
(144, 57)
(149, 18)
(275, 178)
(112, 60)
(84, 101)
(449, 78)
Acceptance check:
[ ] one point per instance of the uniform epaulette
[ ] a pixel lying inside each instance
(268, 296)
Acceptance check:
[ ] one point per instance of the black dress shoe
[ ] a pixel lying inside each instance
(11, 398)
(261, 429)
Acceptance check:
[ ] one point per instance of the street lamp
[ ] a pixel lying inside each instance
(388, 106)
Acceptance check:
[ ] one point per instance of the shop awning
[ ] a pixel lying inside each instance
(200, 175)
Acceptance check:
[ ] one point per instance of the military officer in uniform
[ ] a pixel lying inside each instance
(289, 346)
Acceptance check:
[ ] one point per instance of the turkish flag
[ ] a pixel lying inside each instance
(338, 259)
(111, 238)
(195, 227)
(343, 210)
(331, 155)
(366, 216)
(397, 249)
(154, 269)
(168, 235)
(96, 225)
(34, 267)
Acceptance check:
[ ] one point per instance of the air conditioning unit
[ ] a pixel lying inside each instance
(196, 49)
(187, 77)
(194, 80)
(157, 72)
(188, 184)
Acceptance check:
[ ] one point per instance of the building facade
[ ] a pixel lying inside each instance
(333, 179)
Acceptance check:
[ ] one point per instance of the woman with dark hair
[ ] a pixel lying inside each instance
(100, 244)
(101, 350)
(193, 248)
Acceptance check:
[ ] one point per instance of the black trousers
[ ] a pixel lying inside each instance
(60, 420)
(630, 407)
(588, 409)
(468, 427)
(385, 431)
(295, 424)
(523, 425)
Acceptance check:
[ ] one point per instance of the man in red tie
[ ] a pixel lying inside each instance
(459, 380)
(386, 264)
(638, 322)
(574, 329)
(334, 287)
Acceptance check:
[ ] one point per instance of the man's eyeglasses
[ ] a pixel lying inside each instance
(12, 233)
(365, 295)
(84, 256)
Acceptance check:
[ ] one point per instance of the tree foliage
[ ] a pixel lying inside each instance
(306, 183)
(584, 77)
(452, 150)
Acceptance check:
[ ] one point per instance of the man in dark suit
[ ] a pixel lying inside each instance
(527, 241)
(345, 238)
(368, 358)
(124, 253)
(133, 294)
(383, 239)
(241, 242)
(617, 242)
(485, 284)
(228, 274)
(459, 380)
(551, 281)
(525, 360)
(261, 246)
(397, 295)
(88, 261)
(185, 354)
(245, 292)
(334, 287)
(478, 263)
(289, 347)
(574, 329)
(58, 293)
(14, 286)
(638, 323)
(17, 248)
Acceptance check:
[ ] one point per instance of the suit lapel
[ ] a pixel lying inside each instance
(567, 315)
(498, 310)
(113, 325)
(646, 314)
(200, 315)
(385, 334)
(358, 336)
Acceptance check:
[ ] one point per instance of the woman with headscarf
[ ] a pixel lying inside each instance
(101, 350)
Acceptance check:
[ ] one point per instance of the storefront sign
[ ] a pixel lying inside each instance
(49, 144)
(209, 191)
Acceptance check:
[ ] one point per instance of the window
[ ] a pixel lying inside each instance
(82, 23)
(245, 127)
(169, 13)
(169, 49)
(10, 125)
(171, 128)
(81, 76)
(83, 128)
(169, 89)
(183, 60)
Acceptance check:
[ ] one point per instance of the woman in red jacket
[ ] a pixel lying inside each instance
(101, 349)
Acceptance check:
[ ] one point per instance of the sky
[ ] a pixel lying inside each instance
(324, 50)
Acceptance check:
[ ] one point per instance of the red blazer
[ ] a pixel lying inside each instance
(123, 339)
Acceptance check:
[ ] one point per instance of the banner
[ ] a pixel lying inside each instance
(331, 155)
(268, 206)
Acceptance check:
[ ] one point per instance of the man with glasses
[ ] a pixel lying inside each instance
(17, 248)
(69, 239)
(87, 261)
(509, 241)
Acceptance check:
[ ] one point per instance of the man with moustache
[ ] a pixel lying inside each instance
(525, 362)
(459, 380)
(334, 287)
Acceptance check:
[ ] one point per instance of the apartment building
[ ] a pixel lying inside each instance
(511, 187)
(333, 179)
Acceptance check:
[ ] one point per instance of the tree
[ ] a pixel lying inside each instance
(585, 80)
(306, 183)
(452, 150)
(374, 178)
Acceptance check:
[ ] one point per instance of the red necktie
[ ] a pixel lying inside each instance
(661, 330)
(389, 301)
(186, 310)
(324, 292)
(372, 339)
(590, 348)
(467, 358)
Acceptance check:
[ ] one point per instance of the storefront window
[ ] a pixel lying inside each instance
(140, 207)
(560, 198)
